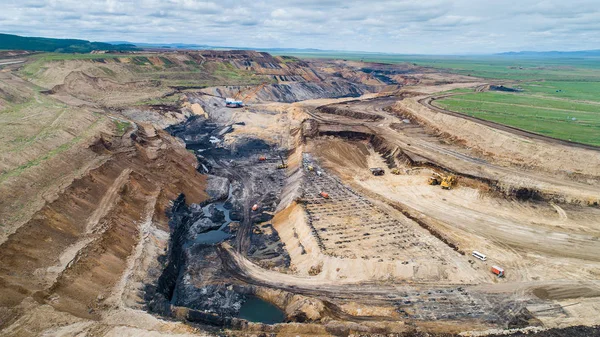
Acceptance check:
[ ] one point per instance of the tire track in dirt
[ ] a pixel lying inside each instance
(561, 212)
(108, 200)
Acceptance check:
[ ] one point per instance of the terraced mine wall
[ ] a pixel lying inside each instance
(394, 155)
(336, 110)
(179, 223)
(96, 220)
(289, 92)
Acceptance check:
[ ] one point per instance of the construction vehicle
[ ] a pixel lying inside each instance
(395, 171)
(310, 168)
(498, 271)
(478, 255)
(325, 195)
(253, 92)
(377, 171)
(448, 182)
(445, 181)
(236, 102)
(233, 103)
(283, 165)
(435, 179)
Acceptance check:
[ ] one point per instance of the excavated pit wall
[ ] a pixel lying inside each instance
(393, 155)
(290, 92)
(504, 145)
(186, 289)
(336, 110)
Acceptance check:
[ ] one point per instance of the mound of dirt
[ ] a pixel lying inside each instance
(558, 292)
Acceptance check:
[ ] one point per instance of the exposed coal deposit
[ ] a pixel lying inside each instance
(244, 185)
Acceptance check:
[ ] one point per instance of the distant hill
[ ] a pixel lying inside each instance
(579, 53)
(209, 47)
(15, 42)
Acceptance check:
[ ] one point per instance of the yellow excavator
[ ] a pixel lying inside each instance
(446, 181)
(283, 165)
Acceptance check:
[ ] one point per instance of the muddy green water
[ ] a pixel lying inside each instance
(260, 311)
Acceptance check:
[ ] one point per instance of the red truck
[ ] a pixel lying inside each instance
(498, 271)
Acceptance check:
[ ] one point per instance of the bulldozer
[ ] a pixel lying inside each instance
(446, 181)
(377, 171)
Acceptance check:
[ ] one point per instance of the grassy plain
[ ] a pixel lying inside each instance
(484, 66)
(558, 118)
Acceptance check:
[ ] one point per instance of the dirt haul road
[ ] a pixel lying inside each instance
(427, 102)
(417, 140)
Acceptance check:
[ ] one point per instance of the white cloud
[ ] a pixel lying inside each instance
(402, 26)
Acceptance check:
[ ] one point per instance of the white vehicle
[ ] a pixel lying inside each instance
(479, 255)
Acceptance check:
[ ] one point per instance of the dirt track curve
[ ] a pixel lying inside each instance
(427, 102)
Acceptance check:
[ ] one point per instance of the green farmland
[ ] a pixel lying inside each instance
(572, 115)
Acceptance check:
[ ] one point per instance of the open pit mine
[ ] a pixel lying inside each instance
(237, 193)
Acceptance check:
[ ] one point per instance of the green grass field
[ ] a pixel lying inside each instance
(490, 66)
(558, 118)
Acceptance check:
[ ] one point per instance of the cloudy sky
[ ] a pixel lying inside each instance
(398, 26)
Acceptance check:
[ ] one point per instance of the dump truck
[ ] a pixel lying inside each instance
(498, 271)
(395, 171)
(325, 195)
(377, 171)
(447, 182)
(435, 179)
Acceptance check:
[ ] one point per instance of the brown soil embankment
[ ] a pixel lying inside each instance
(73, 252)
(336, 110)
(506, 146)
